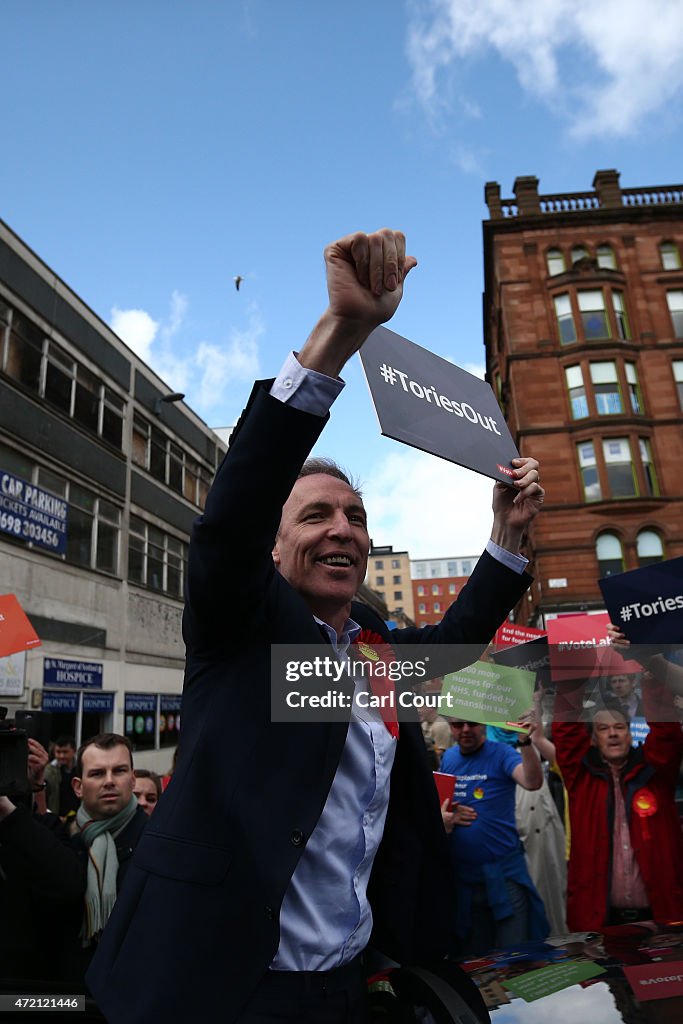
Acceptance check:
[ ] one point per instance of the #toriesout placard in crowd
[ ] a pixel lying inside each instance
(533, 656)
(647, 604)
(16, 632)
(431, 404)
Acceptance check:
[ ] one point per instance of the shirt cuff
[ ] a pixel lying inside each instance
(517, 563)
(305, 389)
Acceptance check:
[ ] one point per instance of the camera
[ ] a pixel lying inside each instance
(14, 736)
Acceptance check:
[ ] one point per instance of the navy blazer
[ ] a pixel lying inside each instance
(195, 926)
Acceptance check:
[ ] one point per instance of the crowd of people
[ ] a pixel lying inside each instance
(282, 852)
(607, 851)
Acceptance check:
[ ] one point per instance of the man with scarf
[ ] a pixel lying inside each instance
(109, 823)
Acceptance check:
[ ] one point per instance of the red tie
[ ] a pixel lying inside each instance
(373, 650)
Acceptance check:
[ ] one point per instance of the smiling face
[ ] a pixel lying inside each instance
(106, 785)
(323, 543)
(612, 736)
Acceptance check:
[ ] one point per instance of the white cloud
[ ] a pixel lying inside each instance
(224, 365)
(136, 328)
(211, 367)
(477, 369)
(605, 66)
(428, 507)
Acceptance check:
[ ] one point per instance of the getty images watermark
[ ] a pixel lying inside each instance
(313, 683)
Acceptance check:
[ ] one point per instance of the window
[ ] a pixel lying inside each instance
(398, 595)
(466, 568)
(380, 581)
(565, 319)
(675, 303)
(155, 559)
(87, 399)
(593, 315)
(60, 374)
(633, 386)
(41, 365)
(436, 589)
(606, 258)
(606, 388)
(395, 563)
(619, 466)
(609, 554)
(678, 378)
(577, 392)
(92, 522)
(422, 608)
(555, 262)
(670, 256)
(25, 352)
(112, 418)
(648, 467)
(650, 548)
(167, 462)
(93, 527)
(420, 591)
(621, 316)
(589, 471)
(175, 467)
(452, 568)
(396, 579)
(452, 589)
(379, 563)
(437, 606)
(579, 252)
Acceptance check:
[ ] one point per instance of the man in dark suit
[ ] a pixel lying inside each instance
(280, 848)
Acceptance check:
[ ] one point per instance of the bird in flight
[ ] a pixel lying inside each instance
(238, 281)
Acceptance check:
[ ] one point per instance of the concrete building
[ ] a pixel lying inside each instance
(101, 475)
(583, 326)
(389, 575)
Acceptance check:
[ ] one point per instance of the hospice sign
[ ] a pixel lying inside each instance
(30, 513)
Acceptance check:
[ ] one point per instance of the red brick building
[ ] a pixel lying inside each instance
(431, 597)
(583, 322)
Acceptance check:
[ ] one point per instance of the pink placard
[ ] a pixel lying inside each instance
(580, 649)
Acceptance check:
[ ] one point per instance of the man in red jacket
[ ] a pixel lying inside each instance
(626, 860)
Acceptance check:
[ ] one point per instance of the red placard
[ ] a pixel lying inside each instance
(510, 634)
(445, 785)
(16, 632)
(580, 649)
(656, 981)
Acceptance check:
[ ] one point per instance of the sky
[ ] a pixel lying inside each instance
(153, 151)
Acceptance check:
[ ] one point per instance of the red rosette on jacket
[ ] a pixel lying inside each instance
(377, 656)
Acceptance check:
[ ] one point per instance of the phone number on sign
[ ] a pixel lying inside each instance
(29, 531)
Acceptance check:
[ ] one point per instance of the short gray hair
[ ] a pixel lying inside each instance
(328, 467)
